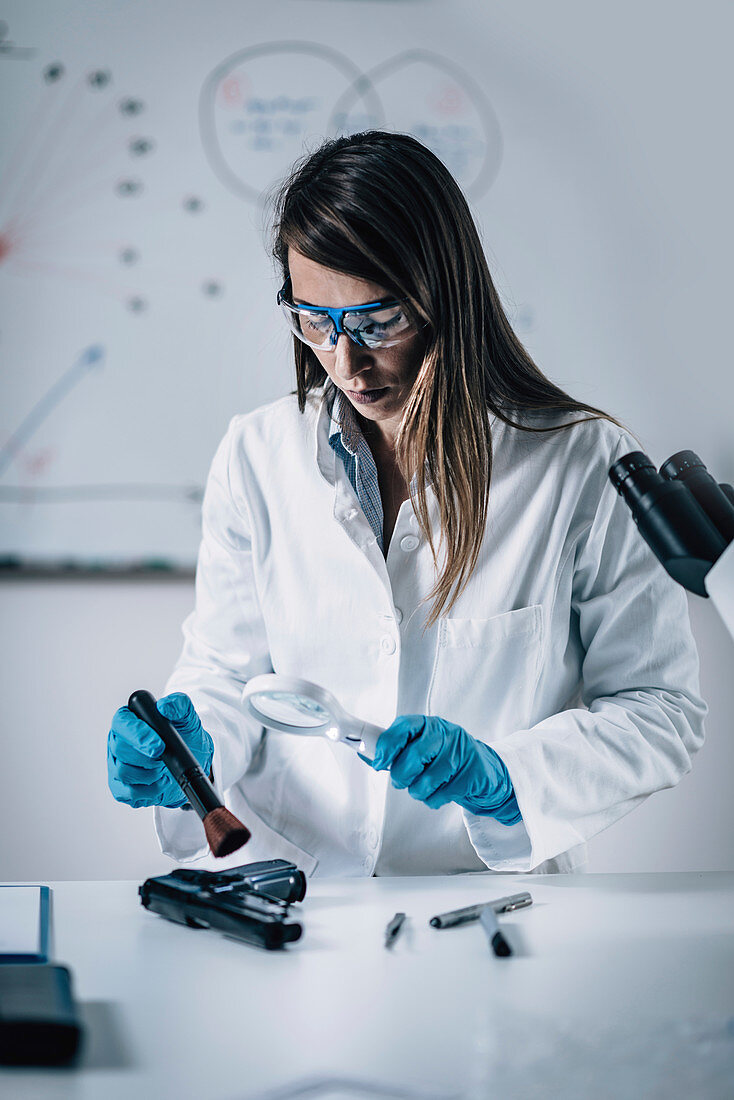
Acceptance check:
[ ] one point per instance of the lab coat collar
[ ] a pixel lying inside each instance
(325, 457)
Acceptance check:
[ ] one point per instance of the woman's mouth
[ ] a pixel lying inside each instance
(367, 397)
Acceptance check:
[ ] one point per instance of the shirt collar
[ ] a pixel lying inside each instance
(336, 420)
(345, 425)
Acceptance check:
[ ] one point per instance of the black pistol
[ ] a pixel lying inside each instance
(250, 903)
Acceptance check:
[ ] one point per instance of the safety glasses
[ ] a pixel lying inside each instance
(372, 325)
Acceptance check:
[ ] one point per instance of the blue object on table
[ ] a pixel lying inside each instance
(24, 923)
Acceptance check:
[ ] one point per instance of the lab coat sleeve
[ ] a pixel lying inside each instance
(578, 771)
(225, 641)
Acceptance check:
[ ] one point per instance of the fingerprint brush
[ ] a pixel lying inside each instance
(224, 833)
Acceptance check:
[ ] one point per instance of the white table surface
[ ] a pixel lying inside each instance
(620, 986)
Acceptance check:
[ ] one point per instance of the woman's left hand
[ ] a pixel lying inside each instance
(439, 762)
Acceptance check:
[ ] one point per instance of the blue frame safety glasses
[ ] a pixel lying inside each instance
(371, 325)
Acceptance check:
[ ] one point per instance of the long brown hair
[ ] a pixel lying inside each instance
(382, 207)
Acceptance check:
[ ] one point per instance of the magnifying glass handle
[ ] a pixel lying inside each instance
(368, 744)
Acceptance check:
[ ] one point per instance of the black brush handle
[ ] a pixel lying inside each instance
(178, 757)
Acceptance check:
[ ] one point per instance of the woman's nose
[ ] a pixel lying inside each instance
(349, 358)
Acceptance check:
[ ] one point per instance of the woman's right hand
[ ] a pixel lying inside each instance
(136, 773)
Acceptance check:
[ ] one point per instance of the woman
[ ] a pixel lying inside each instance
(426, 529)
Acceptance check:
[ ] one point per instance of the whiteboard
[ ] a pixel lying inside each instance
(137, 294)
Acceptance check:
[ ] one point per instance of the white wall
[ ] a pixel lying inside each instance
(610, 234)
(74, 651)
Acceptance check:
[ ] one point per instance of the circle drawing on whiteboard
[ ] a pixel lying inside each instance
(256, 113)
(437, 102)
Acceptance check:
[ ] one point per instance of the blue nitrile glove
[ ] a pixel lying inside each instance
(135, 772)
(439, 762)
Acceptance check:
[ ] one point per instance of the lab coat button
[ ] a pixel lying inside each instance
(398, 615)
(372, 837)
(387, 644)
(409, 542)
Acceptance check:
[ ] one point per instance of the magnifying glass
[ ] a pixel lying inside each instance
(290, 705)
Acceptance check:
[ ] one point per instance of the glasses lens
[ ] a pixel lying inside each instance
(312, 327)
(380, 328)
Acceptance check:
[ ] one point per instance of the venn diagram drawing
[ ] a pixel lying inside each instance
(264, 106)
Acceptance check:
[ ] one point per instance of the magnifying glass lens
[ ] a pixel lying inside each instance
(291, 709)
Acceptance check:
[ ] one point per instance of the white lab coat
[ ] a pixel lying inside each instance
(570, 653)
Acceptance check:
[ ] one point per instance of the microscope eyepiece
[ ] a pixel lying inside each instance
(672, 521)
(680, 463)
(716, 502)
(634, 476)
(628, 466)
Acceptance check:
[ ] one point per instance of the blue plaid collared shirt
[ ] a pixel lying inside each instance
(348, 443)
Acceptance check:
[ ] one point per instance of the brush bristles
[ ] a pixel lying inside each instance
(224, 833)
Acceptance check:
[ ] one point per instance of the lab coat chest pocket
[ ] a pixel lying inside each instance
(486, 671)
